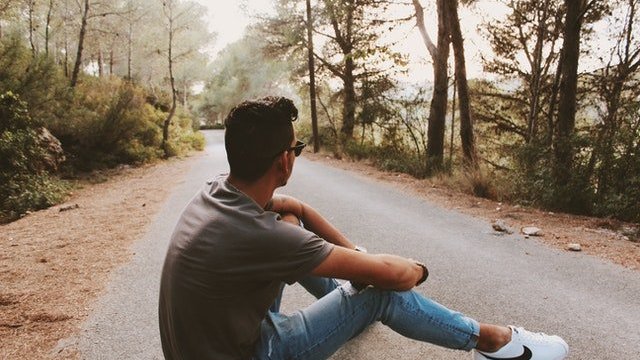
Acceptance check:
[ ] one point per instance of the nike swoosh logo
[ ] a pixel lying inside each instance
(526, 355)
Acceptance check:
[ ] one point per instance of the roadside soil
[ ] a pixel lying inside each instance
(54, 263)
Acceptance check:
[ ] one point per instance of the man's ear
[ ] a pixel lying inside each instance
(283, 162)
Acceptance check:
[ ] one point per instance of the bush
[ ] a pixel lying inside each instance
(388, 158)
(109, 123)
(37, 80)
(22, 193)
(182, 138)
(621, 199)
(25, 183)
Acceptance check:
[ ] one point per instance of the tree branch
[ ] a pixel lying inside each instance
(433, 50)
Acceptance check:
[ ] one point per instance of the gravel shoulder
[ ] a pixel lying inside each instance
(54, 263)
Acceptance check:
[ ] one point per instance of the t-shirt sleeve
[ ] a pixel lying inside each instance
(302, 261)
(290, 253)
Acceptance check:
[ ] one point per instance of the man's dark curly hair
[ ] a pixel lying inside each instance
(256, 132)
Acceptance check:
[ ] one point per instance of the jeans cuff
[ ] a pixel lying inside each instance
(473, 339)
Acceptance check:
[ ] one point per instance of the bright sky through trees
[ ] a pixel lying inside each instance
(229, 19)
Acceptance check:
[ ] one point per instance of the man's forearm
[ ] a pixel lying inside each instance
(316, 223)
(311, 218)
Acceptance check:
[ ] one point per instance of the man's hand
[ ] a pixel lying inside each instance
(283, 204)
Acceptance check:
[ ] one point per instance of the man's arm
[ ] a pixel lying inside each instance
(311, 218)
(388, 272)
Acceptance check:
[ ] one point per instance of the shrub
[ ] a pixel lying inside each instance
(25, 183)
(109, 123)
(388, 158)
(22, 193)
(37, 80)
(182, 137)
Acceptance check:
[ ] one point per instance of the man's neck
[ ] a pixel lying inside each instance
(260, 191)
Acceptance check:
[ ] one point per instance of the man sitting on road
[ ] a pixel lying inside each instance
(237, 243)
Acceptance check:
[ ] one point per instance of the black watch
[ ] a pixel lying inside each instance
(425, 273)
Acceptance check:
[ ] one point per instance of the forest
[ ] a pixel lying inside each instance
(551, 121)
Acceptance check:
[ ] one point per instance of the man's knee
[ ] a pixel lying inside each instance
(290, 218)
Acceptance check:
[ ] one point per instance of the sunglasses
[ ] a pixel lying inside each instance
(297, 148)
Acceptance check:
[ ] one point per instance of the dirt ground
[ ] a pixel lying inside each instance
(54, 263)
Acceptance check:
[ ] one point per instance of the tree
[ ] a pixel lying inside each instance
(341, 16)
(169, 9)
(466, 122)
(242, 71)
(615, 86)
(312, 80)
(83, 31)
(563, 145)
(351, 52)
(438, 109)
(88, 12)
(48, 27)
(525, 44)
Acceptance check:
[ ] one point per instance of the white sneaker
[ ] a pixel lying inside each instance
(525, 345)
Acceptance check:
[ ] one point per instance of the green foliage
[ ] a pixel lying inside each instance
(37, 80)
(25, 183)
(109, 122)
(22, 193)
(102, 122)
(240, 72)
(388, 158)
(618, 186)
(21, 151)
(182, 138)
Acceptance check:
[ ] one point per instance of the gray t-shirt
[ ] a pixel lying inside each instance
(223, 270)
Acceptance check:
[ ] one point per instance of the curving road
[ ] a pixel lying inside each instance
(593, 304)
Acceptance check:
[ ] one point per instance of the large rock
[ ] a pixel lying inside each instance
(55, 153)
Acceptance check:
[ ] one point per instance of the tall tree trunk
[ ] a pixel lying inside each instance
(466, 122)
(568, 88)
(111, 61)
(536, 73)
(349, 108)
(66, 56)
(312, 80)
(46, 30)
(66, 39)
(344, 39)
(553, 102)
(174, 95)
(129, 45)
(185, 95)
(453, 122)
(100, 62)
(31, 5)
(438, 109)
(83, 31)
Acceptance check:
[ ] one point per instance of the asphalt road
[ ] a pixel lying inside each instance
(593, 304)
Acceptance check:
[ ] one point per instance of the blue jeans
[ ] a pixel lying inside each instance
(342, 313)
